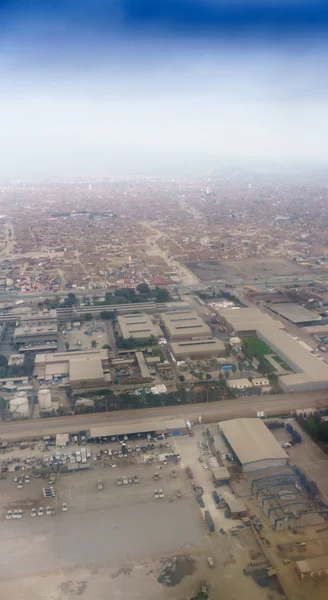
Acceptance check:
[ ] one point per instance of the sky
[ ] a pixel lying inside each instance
(120, 87)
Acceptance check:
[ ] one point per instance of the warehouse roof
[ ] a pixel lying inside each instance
(236, 505)
(85, 368)
(294, 312)
(310, 565)
(182, 323)
(194, 346)
(141, 427)
(137, 326)
(251, 441)
(246, 319)
(220, 473)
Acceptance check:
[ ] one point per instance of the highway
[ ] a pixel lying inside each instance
(226, 409)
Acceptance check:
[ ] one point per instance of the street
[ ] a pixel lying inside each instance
(225, 409)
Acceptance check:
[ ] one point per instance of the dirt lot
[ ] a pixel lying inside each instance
(114, 542)
(246, 270)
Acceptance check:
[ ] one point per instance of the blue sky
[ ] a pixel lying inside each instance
(131, 86)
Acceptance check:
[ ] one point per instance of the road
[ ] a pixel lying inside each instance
(225, 409)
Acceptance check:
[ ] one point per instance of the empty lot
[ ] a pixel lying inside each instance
(246, 270)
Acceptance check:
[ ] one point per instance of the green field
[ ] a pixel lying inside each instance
(252, 346)
(281, 362)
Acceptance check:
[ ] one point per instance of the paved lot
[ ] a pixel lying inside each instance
(245, 270)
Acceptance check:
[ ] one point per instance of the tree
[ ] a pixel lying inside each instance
(28, 364)
(161, 295)
(240, 366)
(221, 376)
(67, 346)
(107, 315)
(106, 347)
(226, 352)
(93, 344)
(3, 361)
(181, 377)
(234, 368)
(143, 288)
(88, 316)
(208, 376)
(227, 374)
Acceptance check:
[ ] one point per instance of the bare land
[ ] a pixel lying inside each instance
(246, 269)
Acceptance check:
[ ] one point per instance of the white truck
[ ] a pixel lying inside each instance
(78, 456)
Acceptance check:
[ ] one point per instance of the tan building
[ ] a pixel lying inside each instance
(312, 567)
(185, 325)
(140, 327)
(198, 348)
(83, 369)
(239, 384)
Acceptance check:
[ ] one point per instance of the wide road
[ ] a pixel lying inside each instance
(226, 409)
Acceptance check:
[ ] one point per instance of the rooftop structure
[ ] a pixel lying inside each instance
(142, 365)
(198, 348)
(139, 327)
(239, 383)
(253, 444)
(28, 336)
(294, 312)
(84, 369)
(310, 373)
(185, 325)
(312, 567)
(170, 426)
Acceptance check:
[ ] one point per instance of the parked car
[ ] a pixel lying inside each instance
(64, 507)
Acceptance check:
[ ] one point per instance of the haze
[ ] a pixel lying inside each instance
(122, 91)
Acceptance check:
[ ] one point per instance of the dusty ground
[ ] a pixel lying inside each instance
(246, 270)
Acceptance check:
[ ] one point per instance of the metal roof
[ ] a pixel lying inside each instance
(294, 312)
(251, 440)
(310, 565)
(141, 427)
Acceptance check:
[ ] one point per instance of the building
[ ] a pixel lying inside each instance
(185, 325)
(138, 327)
(252, 444)
(239, 384)
(82, 369)
(36, 337)
(259, 381)
(295, 313)
(236, 508)
(310, 373)
(220, 476)
(154, 428)
(312, 567)
(198, 348)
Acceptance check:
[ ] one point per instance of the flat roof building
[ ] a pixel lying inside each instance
(310, 373)
(139, 327)
(27, 336)
(294, 312)
(253, 444)
(239, 384)
(185, 325)
(83, 369)
(312, 567)
(198, 348)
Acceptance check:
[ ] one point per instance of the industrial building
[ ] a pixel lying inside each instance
(239, 384)
(169, 427)
(198, 348)
(312, 567)
(220, 476)
(310, 373)
(185, 325)
(140, 327)
(252, 444)
(295, 313)
(286, 497)
(79, 369)
(236, 507)
(36, 337)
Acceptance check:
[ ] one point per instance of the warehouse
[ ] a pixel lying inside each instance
(83, 369)
(236, 507)
(183, 325)
(295, 313)
(31, 337)
(310, 373)
(252, 444)
(138, 327)
(168, 427)
(198, 348)
(312, 567)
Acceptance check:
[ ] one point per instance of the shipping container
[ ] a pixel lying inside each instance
(209, 521)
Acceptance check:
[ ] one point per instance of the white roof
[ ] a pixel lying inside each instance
(251, 440)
